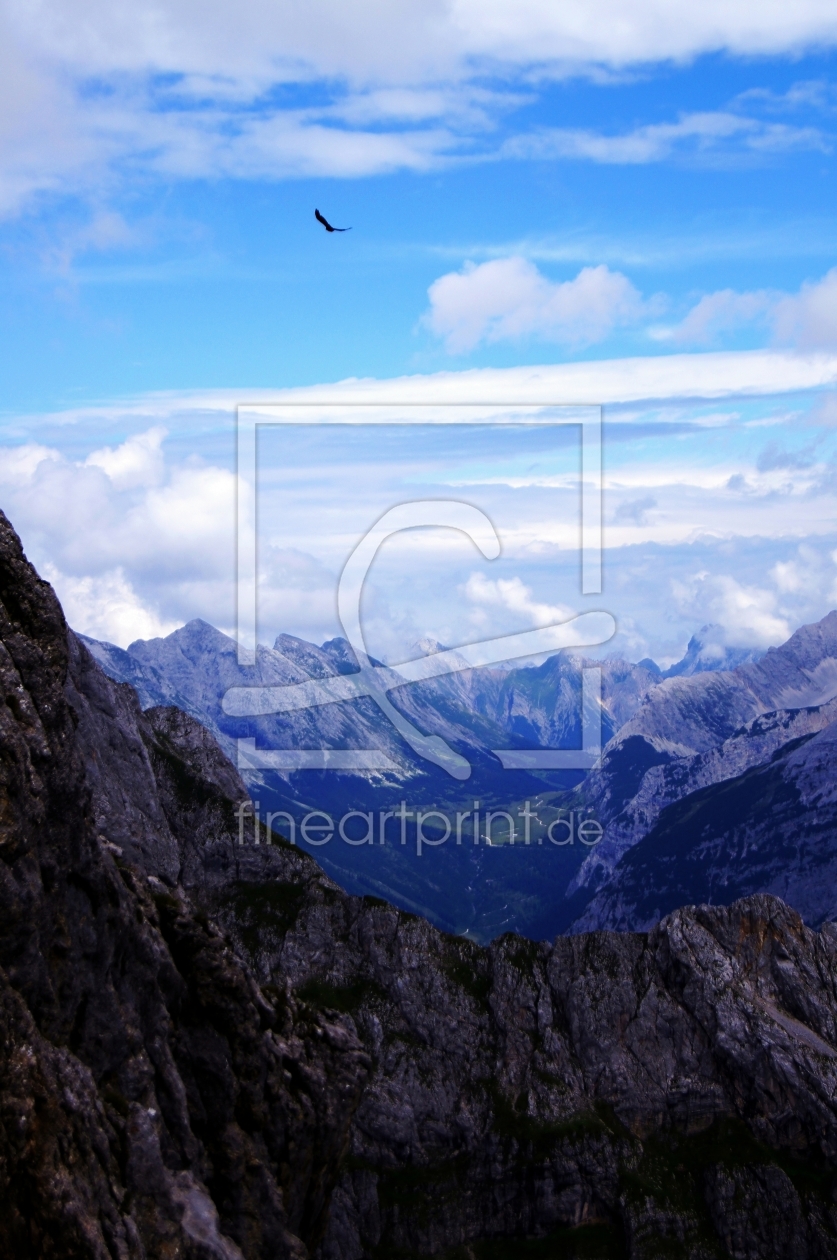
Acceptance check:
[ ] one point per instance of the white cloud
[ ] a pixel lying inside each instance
(137, 462)
(806, 320)
(42, 139)
(513, 596)
(405, 40)
(508, 298)
(749, 615)
(190, 89)
(20, 462)
(695, 133)
(646, 30)
(802, 587)
(635, 510)
(669, 378)
(283, 144)
(809, 576)
(138, 546)
(297, 590)
(720, 312)
(786, 574)
(135, 546)
(106, 607)
(825, 411)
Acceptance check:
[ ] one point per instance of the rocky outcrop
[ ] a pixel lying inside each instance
(662, 781)
(528, 1089)
(153, 1100)
(210, 1050)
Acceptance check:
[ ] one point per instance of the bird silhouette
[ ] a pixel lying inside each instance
(321, 219)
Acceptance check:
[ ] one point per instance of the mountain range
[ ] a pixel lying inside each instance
(208, 1050)
(719, 782)
(481, 888)
(723, 729)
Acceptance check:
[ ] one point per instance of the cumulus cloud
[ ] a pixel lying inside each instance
(107, 607)
(137, 543)
(511, 595)
(140, 539)
(137, 462)
(806, 320)
(749, 615)
(134, 546)
(807, 575)
(509, 298)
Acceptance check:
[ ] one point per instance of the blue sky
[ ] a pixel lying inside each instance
(528, 185)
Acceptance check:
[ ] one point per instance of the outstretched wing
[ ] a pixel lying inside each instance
(327, 225)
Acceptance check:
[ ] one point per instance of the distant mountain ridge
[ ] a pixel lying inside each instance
(682, 751)
(773, 827)
(464, 889)
(694, 757)
(195, 665)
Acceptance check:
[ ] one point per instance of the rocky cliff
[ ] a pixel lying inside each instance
(153, 1100)
(209, 1050)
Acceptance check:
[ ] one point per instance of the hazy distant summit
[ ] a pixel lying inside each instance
(707, 651)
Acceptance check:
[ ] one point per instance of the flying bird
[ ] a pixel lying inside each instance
(321, 219)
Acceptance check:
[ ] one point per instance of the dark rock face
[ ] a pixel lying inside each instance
(153, 1101)
(209, 1050)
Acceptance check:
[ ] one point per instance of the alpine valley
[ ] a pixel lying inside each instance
(480, 889)
(716, 779)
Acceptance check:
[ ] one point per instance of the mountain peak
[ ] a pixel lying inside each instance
(196, 631)
(707, 650)
(427, 646)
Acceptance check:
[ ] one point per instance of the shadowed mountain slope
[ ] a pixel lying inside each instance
(695, 732)
(771, 829)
